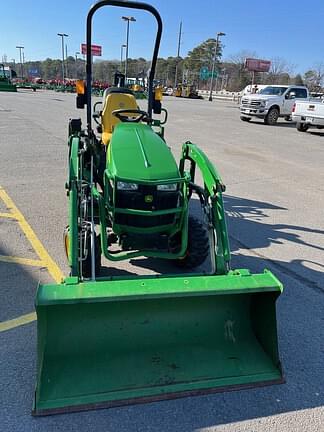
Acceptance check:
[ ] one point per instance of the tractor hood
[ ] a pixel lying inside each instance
(136, 152)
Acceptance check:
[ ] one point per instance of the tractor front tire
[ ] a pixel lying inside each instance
(198, 245)
(86, 264)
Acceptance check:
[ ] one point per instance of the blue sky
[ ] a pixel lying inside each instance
(271, 29)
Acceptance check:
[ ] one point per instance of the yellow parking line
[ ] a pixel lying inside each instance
(16, 322)
(23, 261)
(7, 215)
(53, 268)
(45, 259)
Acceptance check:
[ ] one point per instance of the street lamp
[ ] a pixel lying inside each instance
(62, 35)
(121, 55)
(128, 19)
(21, 61)
(76, 63)
(219, 34)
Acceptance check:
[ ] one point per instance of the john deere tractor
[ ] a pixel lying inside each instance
(114, 340)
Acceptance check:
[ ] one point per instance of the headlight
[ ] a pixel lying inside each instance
(167, 187)
(126, 186)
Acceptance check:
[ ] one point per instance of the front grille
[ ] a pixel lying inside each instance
(252, 102)
(135, 200)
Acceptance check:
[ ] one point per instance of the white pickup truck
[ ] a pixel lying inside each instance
(308, 114)
(272, 102)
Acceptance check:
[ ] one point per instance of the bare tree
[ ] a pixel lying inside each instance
(314, 78)
(319, 69)
(280, 71)
(239, 77)
(239, 58)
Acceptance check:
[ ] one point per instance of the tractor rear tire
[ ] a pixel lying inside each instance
(198, 245)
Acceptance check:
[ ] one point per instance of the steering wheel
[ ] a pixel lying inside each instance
(141, 115)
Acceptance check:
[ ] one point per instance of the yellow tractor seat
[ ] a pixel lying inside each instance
(117, 98)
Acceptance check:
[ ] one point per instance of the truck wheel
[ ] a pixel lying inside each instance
(272, 117)
(247, 119)
(302, 127)
(198, 245)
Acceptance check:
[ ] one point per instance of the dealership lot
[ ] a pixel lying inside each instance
(274, 199)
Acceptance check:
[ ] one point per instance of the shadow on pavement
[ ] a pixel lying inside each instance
(249, 229)
(320, 134)
(279, 124)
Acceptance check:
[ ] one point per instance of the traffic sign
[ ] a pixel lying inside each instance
(214, 75)
(204, 73)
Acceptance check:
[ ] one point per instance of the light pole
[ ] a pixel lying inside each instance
(121, 55)
(178, 55)
(76, 63)
(66, 61)
(62, 36)
(21, 64)
(128, 19)
(219, 34)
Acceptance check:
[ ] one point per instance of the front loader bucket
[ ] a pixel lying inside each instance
(125, 341)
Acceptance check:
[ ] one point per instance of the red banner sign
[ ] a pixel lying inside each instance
(96, 50)
(257, 65)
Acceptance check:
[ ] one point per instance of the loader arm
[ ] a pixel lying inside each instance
(213, 191)
(74, 144)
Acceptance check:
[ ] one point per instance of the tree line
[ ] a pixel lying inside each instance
(231, 73)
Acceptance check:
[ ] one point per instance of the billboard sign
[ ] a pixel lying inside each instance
(96, 50)
(257, 65)
(33, 72)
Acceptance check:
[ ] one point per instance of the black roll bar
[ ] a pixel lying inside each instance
(131, 5)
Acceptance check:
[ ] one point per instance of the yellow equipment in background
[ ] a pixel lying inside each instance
(186, 91)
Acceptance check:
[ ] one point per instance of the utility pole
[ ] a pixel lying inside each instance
(127, 19)
(62, 36)
(121, 55)
(219, 34)
(21, 64)
(178, 55)
(76, 64)
(66, 61)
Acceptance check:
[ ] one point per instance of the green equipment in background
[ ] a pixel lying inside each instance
(5, 82)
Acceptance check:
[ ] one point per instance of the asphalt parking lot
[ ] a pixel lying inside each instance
(274, 199)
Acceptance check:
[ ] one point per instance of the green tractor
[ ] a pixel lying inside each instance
(115, 340)
(5, 83)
